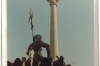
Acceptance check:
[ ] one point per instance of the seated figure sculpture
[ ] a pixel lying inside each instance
(37, 47)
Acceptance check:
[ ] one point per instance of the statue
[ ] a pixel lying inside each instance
(37, 47)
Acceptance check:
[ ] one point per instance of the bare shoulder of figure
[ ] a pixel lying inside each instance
(31, 44)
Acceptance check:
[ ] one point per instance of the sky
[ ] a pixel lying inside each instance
(75, 29)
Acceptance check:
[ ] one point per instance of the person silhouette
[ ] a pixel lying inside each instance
(23, 61)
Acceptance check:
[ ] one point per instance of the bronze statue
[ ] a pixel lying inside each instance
(37, 47)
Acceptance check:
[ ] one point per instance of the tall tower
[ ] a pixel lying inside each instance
(53, 30)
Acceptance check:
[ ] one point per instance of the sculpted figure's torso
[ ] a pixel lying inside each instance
(36, 47)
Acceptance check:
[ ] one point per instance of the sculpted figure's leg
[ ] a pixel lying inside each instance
(35, 63)
(37, 59)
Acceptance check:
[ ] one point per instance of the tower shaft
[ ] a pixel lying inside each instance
(53, 31)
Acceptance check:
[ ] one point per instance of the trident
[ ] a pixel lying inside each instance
(30, 18)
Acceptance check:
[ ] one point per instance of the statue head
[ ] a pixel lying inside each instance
(37, 38)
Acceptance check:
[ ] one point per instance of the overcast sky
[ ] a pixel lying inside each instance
(75, 29)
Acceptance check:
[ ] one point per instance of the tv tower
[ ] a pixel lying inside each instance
(53, 30)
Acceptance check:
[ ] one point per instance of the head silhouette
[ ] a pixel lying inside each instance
(23, 59)
(37, 38)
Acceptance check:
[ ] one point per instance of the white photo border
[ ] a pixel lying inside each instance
(0, 33)
(99, 28)
(4, 32)
(96, 34)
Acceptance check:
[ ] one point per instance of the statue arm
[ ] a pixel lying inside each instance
(45, 45)
(28, 49)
